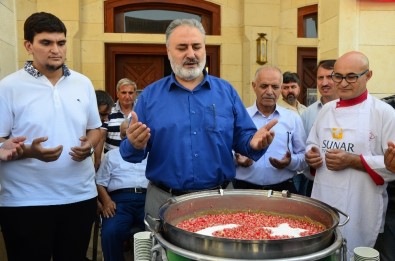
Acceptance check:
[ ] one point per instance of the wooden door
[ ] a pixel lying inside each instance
(307, 63)
(142, 69)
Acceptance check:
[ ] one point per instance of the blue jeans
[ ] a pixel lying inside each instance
(129, 213)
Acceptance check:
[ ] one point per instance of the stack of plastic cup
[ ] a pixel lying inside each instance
(142, 246)
(366, 254)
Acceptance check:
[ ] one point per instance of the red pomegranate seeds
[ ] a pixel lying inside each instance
(251, 225)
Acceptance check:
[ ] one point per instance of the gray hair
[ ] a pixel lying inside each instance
(126, 81)
(267, 68)
(189, 22)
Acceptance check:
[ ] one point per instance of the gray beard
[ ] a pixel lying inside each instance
(291, 99)
(187, 74)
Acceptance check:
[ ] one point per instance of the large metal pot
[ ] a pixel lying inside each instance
(186, 206)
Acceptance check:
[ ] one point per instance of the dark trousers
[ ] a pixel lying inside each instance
(385, 241)
(285, 185)
(39, 233)
(303, 185)
(115, 230)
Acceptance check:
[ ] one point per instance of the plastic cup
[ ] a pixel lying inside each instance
(142, 246)
(366, 254)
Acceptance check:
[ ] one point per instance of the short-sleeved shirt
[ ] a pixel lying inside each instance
(31, 106)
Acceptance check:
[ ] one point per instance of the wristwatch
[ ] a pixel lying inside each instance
(92, 150)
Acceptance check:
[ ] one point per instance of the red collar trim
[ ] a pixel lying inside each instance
(353, 101)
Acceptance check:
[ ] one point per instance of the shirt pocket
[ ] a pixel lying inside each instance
(217, 120)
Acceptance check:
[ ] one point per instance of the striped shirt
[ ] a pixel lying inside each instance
(113, 138)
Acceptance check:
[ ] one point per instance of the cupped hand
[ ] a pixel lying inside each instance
(243, 161)
(264, 136)
(313, 158)
(138, 133)
(389, 157)
(282, 163)
(79, 153)
(44, 154)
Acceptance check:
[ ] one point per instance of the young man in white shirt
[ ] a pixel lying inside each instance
(48, 196)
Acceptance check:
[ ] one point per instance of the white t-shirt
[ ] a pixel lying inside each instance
(33, 107)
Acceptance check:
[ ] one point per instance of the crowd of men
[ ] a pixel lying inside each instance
(188, 132)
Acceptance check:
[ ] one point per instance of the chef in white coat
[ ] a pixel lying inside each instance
(346, 146)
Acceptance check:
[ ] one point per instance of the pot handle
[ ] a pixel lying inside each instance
(345, 215)
(152, 224)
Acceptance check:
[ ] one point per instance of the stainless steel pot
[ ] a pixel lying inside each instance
(186, 206)
(169, 252)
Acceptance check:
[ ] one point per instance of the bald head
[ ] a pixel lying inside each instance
(354, 68)
(358, 58)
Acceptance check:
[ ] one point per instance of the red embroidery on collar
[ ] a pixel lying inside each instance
(353, 101)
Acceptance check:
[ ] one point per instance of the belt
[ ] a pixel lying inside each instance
(138, 190)
(176, 192)
(265, 187)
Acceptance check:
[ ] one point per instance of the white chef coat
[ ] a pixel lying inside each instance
(362, 128)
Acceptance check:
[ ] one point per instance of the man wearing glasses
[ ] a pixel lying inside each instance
(346, 147)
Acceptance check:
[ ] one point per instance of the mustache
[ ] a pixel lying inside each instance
(191, 61)
(266, 96)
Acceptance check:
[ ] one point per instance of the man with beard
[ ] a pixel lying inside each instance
(290, 90)
(189, 123)
(285, 156)
(48, 196)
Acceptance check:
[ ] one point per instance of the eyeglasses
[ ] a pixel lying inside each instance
(350, 78)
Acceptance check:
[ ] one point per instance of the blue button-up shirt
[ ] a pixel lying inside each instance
(309, 116)
(192, 133)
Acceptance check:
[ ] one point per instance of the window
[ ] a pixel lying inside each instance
(153, 16)
(308, 21)
(151, 21)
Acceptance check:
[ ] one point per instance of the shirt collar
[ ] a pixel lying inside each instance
(29, 68)
(254, 111)
(319, 103)
(353, 101)
(117, 108)
(204, 83)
